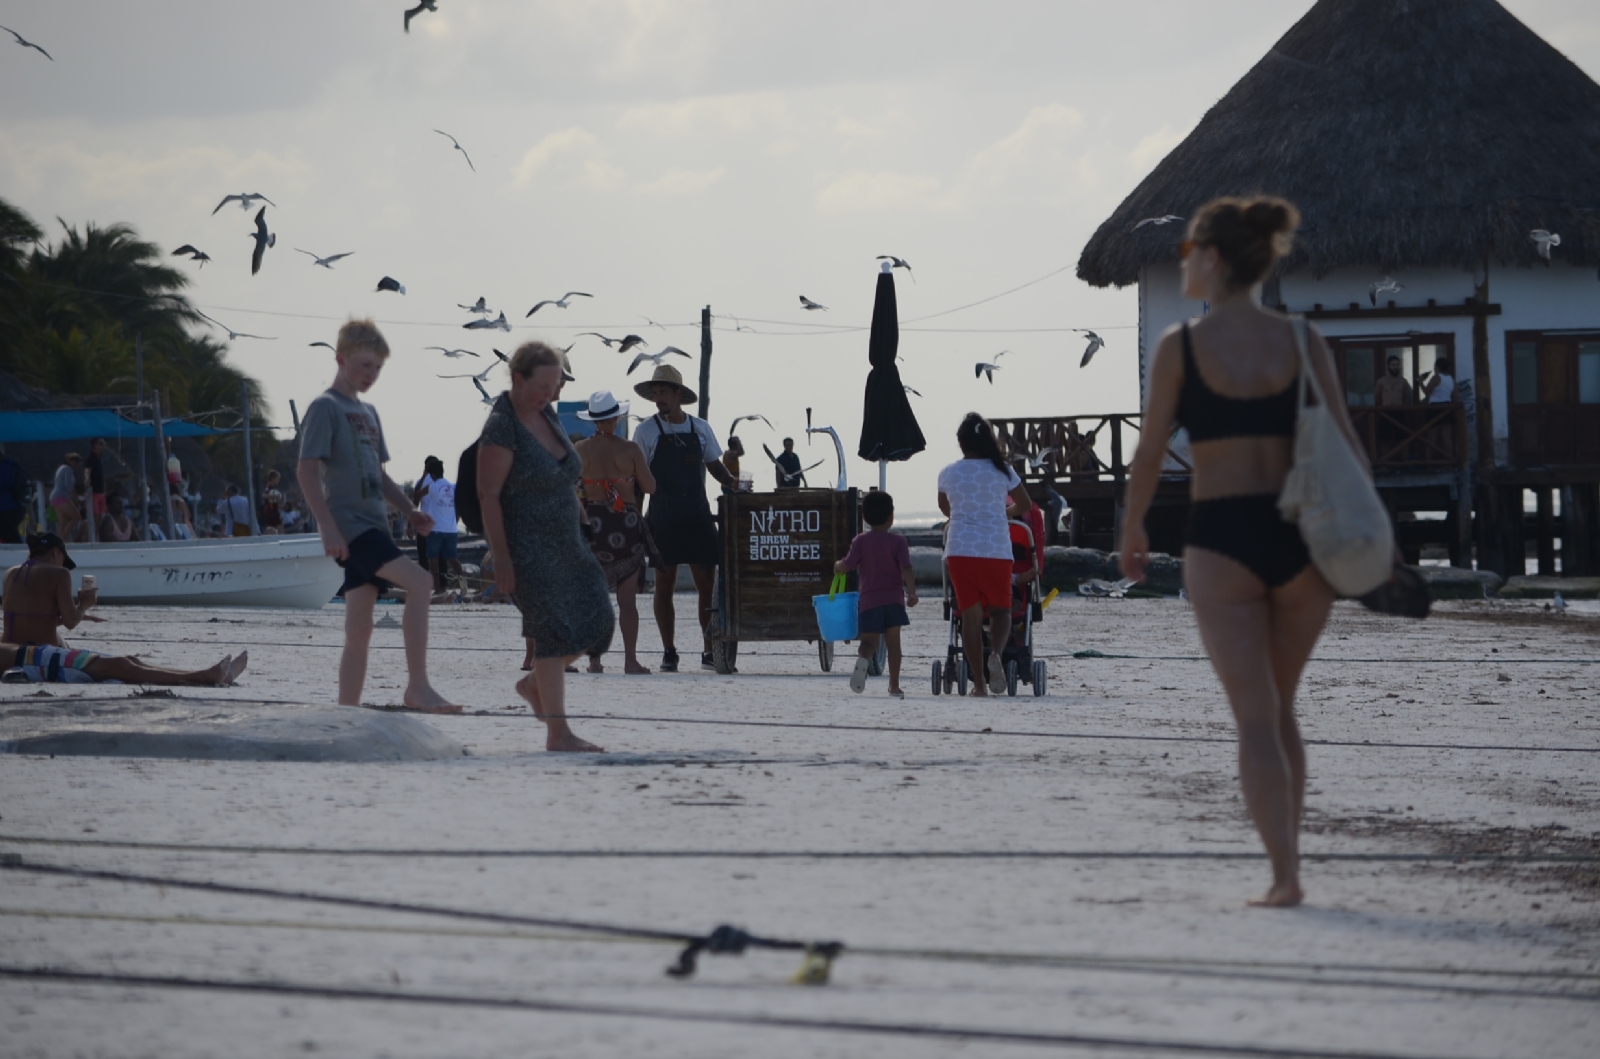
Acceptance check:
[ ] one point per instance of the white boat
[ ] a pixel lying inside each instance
(274, 571)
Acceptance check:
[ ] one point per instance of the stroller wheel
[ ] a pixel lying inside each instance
(825, 655)
(1038, 679)
(961, 676)
(938, 678)
(880, 658)
(1011, 679)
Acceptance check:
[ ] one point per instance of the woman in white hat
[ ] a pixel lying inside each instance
(615, 478)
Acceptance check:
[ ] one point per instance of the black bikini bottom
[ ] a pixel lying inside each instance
(1249, 530)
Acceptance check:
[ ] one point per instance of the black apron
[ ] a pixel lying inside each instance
(680, 518)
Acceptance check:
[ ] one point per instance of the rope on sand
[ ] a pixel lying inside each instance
(814, 970)
(810, 854)
(857, 1026)
(1277, 971)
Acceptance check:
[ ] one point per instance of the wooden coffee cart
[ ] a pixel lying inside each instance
(778, 550)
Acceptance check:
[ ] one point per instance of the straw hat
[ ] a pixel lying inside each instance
(668, 374)
(603, 406)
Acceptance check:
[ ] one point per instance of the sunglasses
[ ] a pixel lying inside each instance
(1186, 248)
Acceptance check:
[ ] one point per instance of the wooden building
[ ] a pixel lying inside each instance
(1423, 141)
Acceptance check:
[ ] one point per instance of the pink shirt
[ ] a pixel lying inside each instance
(878, 559)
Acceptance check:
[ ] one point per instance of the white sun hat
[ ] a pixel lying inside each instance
(602, 406)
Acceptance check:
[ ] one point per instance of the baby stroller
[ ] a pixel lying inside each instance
(1016, 654)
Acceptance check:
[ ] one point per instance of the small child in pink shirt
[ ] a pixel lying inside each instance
(887, 586)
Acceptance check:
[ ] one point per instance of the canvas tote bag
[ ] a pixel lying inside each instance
(1345, 526)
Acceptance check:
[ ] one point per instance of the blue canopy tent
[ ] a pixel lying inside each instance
(70, 424)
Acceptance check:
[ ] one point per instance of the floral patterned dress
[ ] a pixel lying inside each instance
(561, 590)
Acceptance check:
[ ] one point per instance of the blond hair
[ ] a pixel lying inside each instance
(530, 356)
(361, 334)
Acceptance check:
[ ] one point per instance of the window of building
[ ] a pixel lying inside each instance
(1364, 366)
(1554, 383)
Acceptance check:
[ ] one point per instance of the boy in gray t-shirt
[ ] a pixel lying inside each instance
(341, 475)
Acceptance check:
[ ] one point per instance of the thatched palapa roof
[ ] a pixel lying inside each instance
(1409, 132)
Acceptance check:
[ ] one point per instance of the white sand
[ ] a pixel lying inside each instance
(673, 786)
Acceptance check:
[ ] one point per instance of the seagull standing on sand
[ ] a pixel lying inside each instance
(655, 358)
(1544, 240)
(1168, 219)
(1096, 344)
(389, 283)
(195, 254)
(898, 262)
(422, 5)
(453, 354)
(245, 201)
(988, 368)
(263, 240)
(479, 307)
(28, 43)
(559, 303)
(485, 324)
(1558, 603)
(1386, 285)
(807, 303)
(325, 262)
(460, 148)
(232, 334)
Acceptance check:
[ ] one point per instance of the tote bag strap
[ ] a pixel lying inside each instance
(1308, 378)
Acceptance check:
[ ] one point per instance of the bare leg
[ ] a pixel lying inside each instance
(868, 645)
(1237, 617)
(133, 671)
(419, 694)
(666, 620)
(972, 645)
(527, 656)
(628, 619)
(999, 632)
(892, 635)
(595, 665)
(358, 604)
(704, 581)
(550, 675)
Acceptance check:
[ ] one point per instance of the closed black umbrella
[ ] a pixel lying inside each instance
(889, 429)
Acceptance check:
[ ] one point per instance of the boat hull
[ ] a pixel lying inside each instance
(287, 571)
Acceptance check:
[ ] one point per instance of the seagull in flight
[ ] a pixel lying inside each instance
(735, 424)
(909, 390)
(1096, 344)
(263, 240)
(656, 359)
(195, 254)
(507, 359)
(480, 376)
(807, 303)
(1385, 285)
(559, 303)
(422, 5)
(898, 262)
(391, 284)
(232, 334)
(1544, 240)
(28, 43)
(325, 262)
(651, 323)
(486, 398)
(477, 307)
(988, 368)
(453, 354)
(1036, 462)
(483, 323)
(460, 148)
(324, 345)
(622, 344)
(245, 201)
(1168, 219)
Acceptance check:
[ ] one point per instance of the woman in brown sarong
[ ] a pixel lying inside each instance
(615, 477)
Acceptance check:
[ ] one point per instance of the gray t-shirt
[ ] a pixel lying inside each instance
(346, 435)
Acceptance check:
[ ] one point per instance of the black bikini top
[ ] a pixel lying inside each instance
(1211, 416)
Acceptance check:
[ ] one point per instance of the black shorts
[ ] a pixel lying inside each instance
(881, 619)
(368, 553)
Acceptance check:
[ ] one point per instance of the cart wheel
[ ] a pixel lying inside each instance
(1038, 679)
(961, 676)
(880, 658)
(1011, 679)
(825, 655)
(724, 653)
(938, 677)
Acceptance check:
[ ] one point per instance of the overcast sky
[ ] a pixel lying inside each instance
(663, 155)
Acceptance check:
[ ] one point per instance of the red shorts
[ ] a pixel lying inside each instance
(980, 582)
(99, 504)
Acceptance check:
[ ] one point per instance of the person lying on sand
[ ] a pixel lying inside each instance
(43, 663)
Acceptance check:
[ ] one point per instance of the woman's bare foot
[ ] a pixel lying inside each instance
(529, 690)
(571, 744)
(633, 667)
(217, 675)
(594, 664)
(426, 700)
(237, 668)
(1282, 895)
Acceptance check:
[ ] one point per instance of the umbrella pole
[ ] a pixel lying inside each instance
(883, 476)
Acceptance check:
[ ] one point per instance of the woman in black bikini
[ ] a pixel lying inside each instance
(1231, 380)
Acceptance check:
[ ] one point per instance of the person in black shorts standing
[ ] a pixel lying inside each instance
(680, 449)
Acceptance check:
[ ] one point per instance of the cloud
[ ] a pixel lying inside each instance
(551, 147)
(736, 113)
(859, 192)
(1042, 138)
(682, 182)
(1154, 147)
(852, 127)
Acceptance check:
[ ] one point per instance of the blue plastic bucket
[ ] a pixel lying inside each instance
(837, 614)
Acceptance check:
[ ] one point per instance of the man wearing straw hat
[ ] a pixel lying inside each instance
(680, 449)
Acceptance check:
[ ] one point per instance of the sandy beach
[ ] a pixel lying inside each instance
(1097, 830)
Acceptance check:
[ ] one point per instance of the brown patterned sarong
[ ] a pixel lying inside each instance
(619, 539)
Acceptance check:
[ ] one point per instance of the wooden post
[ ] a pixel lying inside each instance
(1545, 545)
(161, 447)
(1462, 544)
(705, 363)
(142, 516)
(249, 467)
(1580, 538)
(1494, 539)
